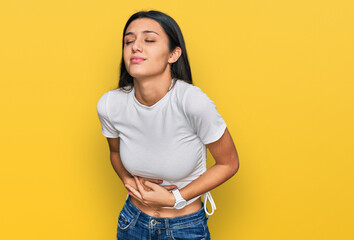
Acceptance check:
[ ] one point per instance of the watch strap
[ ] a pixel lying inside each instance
(177, 195)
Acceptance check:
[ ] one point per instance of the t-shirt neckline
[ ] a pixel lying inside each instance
(163, 99)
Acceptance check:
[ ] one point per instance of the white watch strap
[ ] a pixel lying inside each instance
(177, 195)
(188, 202)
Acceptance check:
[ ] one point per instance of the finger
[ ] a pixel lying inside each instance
(151, 185)
(157, 181)
(131, 194)
(132, 190)
(146, 188)
(141, 179)
(135, 197)
(138, 184)
(169, 187)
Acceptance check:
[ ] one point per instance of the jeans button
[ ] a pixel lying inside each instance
(153, 222)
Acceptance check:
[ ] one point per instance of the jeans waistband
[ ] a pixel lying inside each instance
(160, 222)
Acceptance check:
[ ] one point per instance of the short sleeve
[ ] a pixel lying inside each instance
(108, 130)
(203, 116)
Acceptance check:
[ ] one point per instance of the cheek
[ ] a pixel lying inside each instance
(126, 58)
(161, 56)
(124, 54)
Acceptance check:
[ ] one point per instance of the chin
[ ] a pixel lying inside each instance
(141, 74)
(138, 74)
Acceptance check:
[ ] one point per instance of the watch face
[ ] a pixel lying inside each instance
(181, 204)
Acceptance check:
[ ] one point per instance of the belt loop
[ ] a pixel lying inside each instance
(135, 219)
(167, 226)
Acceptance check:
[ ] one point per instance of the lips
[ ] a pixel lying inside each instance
(137, 59)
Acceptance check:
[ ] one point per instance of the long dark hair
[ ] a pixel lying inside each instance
(180, 70)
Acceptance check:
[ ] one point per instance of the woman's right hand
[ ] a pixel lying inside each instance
(130, 181)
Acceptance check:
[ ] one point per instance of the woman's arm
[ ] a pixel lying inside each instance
(227, 164)
(116, 162)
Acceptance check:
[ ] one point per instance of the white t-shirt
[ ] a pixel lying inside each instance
(166, 140)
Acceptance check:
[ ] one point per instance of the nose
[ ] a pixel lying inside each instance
(136, 46)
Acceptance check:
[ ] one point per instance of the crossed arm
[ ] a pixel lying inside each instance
(149, 193)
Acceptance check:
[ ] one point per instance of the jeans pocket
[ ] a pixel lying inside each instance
(124, 221)
(195, 231)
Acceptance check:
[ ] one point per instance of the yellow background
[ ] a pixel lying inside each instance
(280, 73)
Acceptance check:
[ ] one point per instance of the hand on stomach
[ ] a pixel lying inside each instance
(151, 198)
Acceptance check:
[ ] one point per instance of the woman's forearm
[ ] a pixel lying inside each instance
(209, 180)
(227, 164)
(118, 166)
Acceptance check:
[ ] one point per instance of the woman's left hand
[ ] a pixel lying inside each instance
(157, 197)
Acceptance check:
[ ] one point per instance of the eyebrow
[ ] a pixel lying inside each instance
(146, 31)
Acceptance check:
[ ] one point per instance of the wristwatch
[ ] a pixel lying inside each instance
(180, 201)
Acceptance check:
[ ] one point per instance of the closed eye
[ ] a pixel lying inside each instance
(133, 41)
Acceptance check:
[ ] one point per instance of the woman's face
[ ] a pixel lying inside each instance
(145, 38)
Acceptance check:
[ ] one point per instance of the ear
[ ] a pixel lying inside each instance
(174, 56)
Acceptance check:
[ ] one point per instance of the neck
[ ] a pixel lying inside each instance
(148, 91)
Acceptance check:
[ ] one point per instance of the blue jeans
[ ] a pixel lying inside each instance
(133, 224)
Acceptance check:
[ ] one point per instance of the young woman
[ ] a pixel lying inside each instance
(158, 126)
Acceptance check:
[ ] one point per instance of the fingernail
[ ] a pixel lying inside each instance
(143, 180)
